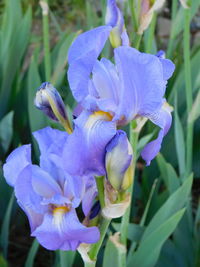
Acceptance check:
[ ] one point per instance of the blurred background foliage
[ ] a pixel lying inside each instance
(170, 235)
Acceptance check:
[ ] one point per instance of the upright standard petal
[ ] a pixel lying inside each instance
(16, 162)
(85, 148)
(163, 119)
(142, 83)
(82, 55)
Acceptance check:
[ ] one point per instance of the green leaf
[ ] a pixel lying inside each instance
(32, 253)
(153, 243)
(5, 227)
(61, 59)
(195, 112)
(66, 258)
(180, 144)
(3, 262)
(36, 117)
(135, 231)
(114, 254)
(174, 203)
(12, 54)
(168, 174)
(6, 131)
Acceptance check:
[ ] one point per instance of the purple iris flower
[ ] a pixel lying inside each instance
(112, 95)
(49, 195)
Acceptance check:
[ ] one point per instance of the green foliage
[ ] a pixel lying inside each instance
(165, 217)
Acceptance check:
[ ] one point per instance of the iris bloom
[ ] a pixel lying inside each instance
(49, 195)
(112, 95)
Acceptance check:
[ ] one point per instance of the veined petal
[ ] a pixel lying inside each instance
(163, 119)
(43, 184)
(65, 232)
(85, 148)
(50, 140)
(168, 65)
(16, 162)
(35, 219)
(89, 196)
(142, 83)
(25, 193)
(82, 55)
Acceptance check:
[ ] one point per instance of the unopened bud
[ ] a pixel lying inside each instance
(50, 102)
(114, 18)
(148, 7)
(119, 165)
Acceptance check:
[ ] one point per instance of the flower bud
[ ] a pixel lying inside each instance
(119, 167)
(50, 102)
(114, 18)
(146, 14)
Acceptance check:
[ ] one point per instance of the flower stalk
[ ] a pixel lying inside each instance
(188, 87)
(47, 58)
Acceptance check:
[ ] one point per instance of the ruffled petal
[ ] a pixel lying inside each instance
(85, 148)
(64, 233)
(81, 57)
(168, 65)
(16, 162)
(142, 83)
(50, 140)
(163, 119)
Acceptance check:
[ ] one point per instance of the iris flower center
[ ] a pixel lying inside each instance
(58, 214)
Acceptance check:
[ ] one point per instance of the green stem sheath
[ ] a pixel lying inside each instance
(103, 230)
(47, 58)
(188, 88)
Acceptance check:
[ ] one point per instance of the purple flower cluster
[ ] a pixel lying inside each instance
(109, 95)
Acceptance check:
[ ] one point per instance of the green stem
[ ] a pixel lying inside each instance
(188, 88)
(171, 38)
(151, 34)
(96, 247)
(100, 187)
(138, 40)
(47, 59)
(125, 218)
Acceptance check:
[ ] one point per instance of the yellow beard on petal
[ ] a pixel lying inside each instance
(58, 213)
(96, 116)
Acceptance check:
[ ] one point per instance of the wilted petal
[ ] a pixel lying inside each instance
(16, 162)
(118, 160)
(58, 234)
(142, 83)
(85, 148)
(163, 119)
(82, 55)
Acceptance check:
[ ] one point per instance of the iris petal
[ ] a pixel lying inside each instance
(65, 235)
(16, 162)
(82, 55)
(163, 119)
(84, 151)
(142, 83)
